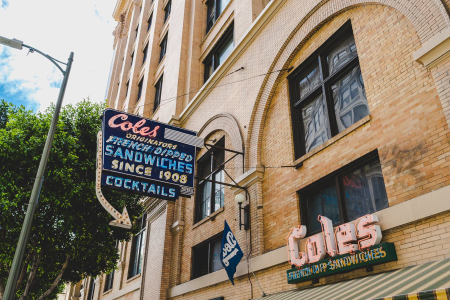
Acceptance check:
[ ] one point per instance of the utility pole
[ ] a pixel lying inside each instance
(26, 228)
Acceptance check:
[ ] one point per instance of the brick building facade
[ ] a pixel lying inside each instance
(340, 108)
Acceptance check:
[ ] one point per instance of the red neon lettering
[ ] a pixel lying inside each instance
(126, 126)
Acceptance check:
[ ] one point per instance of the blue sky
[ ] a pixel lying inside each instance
(31, 80)
(11, 90)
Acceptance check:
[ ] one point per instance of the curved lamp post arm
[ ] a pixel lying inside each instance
(54, 61)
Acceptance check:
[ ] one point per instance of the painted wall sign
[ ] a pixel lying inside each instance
(382, 253)
(147, 157)
(346, 239)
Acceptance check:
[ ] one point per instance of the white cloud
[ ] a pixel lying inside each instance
(57, 27)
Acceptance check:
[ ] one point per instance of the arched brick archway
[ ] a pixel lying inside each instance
(305, 26)
(227, 123)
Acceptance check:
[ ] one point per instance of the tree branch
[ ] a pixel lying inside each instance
(24, 269)
(34, 269)
(56, 282)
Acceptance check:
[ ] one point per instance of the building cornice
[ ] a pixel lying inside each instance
(120, 5)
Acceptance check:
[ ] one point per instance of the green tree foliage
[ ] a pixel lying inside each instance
(71, 236)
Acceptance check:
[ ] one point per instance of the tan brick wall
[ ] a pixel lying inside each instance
(155, 257)
(408, 126)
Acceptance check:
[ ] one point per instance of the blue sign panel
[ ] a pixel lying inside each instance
(156, 157)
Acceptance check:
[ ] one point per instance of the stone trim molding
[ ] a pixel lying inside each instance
(211, 217)
(136, 285)
(435, 50)
(255, 174)
(156, 212)
(120, 5)
(177, 227)
(401, 214)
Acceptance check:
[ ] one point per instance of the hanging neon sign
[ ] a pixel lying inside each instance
(349, 246)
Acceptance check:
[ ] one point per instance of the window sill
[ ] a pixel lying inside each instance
(211, 217)
(107, 292)
(159, 69)
(133, 278)
(299, 162)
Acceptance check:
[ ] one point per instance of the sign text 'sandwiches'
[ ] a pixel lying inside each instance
(140, 156)
(350, 246)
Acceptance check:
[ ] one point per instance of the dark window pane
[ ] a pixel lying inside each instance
(215, 256)
(150, 22)
(209, 69)
(310, 81)
(210, 196)
(91, 289)
(109, 280)
(140, 89)
(226, 49)
(137, 248)
(204, 166)
(205, 199)
(167, 11)
(315, 123)
(145, 54)
(163, 47)
(201, 260)
(219, 155)
(207, 257)
(211, 17)
(341, 54)
(218, 190)
(364, 191)
(322, 202)
(350, 102)
(158, 93)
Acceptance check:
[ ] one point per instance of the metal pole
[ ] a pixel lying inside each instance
(26, 228)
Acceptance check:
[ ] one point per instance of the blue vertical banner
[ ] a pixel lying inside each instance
(231, 253)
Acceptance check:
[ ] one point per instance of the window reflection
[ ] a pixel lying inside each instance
(341, 54)
(350, 102)
(364, 191)
(315, 123)
(309, 82)
(323, 202)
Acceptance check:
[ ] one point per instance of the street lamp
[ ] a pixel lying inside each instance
(239, 199)
(26, 228)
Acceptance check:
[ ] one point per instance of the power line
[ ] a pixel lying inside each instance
(170, 99)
